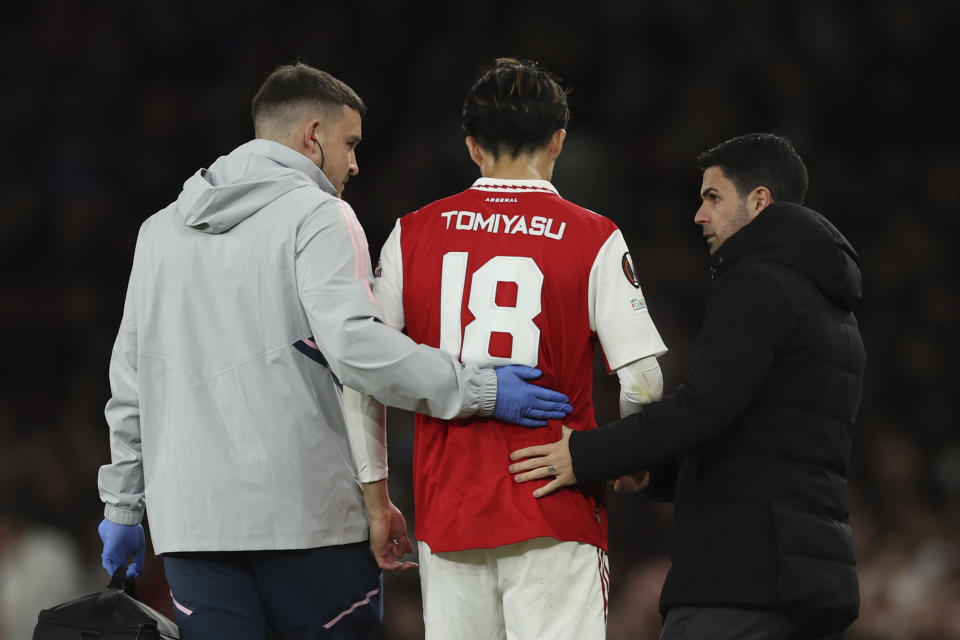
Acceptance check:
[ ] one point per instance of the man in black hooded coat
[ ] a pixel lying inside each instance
(753, 447)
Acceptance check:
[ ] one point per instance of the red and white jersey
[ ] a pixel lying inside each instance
(508, 272)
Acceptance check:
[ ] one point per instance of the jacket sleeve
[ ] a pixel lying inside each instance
(747, 317)
(663, 481)
(121, 481)
(334, 285)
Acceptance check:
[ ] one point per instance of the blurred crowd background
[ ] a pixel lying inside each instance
(108, 106)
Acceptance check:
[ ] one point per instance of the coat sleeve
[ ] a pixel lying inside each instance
(747, 317)
(334, 285)
(121, 481)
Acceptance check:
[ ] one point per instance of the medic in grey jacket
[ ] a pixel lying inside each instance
(248, 305)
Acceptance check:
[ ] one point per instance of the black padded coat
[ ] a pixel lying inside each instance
(753, 447)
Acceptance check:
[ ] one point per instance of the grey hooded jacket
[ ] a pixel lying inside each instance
(248, 305)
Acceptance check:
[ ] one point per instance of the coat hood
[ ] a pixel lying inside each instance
(237, 185)
(800, 238)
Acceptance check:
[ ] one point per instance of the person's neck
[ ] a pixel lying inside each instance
(523, 167)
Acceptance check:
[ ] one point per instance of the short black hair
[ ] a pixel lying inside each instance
(515, 106)
(760, 159)
(300, 84)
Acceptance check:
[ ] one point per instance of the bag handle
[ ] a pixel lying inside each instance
(119, 581)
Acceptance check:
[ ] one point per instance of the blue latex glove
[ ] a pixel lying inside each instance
(526, 404)
(120, 541)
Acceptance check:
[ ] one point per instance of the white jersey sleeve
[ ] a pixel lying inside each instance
(366, 417)
(618, 312)
(641, 382)
(366, 420)
(388, 285)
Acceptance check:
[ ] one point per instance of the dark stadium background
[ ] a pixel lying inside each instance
(108, 106)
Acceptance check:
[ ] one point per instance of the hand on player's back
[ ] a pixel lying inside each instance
(524, 403)
(541, 462)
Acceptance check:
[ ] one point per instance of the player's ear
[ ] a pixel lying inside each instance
(758, 200)
(475, 150)
(556, 143)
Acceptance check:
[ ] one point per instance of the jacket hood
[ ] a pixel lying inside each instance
(800, 238)
(237, 185)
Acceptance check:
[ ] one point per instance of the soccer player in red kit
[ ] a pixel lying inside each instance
(508, 272)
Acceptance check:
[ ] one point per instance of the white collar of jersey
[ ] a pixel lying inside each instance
(504, 185)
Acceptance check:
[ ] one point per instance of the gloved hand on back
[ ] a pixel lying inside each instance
(526, 404)
(120, 541)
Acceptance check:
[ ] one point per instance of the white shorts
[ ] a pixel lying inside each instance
(540, 588)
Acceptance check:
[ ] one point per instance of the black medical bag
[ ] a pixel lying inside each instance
(111, 614)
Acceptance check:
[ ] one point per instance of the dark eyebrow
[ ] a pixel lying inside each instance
(707, 191)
